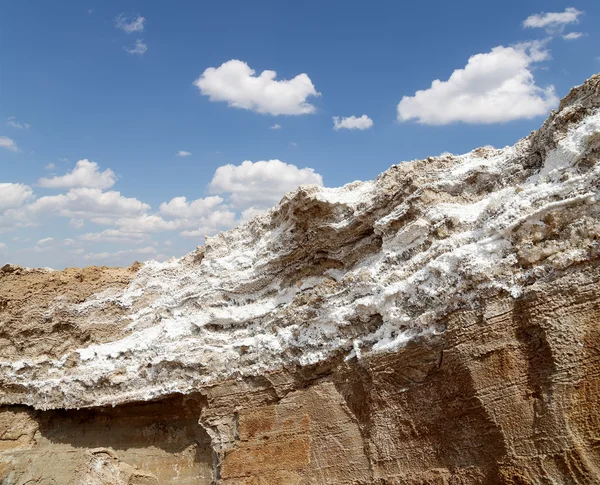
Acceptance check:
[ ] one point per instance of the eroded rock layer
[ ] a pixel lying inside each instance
(438, 325)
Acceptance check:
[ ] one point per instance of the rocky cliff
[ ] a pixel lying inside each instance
(438, 325)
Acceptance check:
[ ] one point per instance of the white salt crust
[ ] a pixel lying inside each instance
(192, 325)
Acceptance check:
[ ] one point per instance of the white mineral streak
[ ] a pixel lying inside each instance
(263, 296)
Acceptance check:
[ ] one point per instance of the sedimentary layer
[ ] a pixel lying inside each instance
(439, 324)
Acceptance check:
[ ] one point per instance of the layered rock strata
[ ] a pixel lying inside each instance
(438, 325)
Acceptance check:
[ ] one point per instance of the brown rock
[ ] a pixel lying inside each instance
(452, 363)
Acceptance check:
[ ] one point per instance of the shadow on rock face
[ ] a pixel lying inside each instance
(157, 442)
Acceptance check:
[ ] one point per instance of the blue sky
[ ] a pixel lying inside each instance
(124, 87)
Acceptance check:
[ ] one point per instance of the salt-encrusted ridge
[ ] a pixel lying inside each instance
(340, 272)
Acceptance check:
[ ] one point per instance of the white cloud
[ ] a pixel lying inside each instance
(148, 250)
(45, 241)
(50, 166)
(197, 233)
(76, 223)
(240, 193)
(87, 204)
(192, 224)
(494, 87)
(553, 22)
(250, 186)
(183, 153)
(113, 236)
(139, 48)
(234, 82)
(13, 123)
(216, 221)
(261, 183)
(130, 25)
(352, 123)
(573, 35)
(250, 213)
(2, 246)
(275, 127)
(85, 174)
(8, 144)
(12, 219)
(147, 223)
(14, 195)
(180, 208)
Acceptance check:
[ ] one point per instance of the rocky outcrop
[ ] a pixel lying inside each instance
(438, 325)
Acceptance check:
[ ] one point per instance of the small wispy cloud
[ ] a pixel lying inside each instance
(275, 127)
(183, 153)
(13, 123)
(130, 25)
(573, 35)
(148, 250)
(553, 22)
(50, 166)
(139, 48)
(46, 240)
(8, 144)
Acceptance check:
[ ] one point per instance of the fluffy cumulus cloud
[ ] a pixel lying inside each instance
(352, 123)
(553, 22)
(14, 195)
(8, 144)
(493, 87)
(250, 213)
(147, 224)
(260, 183)
(100, 218)
(85, 174)
(211, 224)
(79, 205)
(244, 190)
(130, 25)
(139, 48)
(86, 204)
(235, 82)
(179, 207)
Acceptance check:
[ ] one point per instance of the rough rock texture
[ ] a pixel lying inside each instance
(439, 325)
(32, 323)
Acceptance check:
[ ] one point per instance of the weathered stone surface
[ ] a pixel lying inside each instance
(146, 443)
(439, 325)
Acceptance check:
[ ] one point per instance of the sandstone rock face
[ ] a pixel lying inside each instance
(438, 325)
